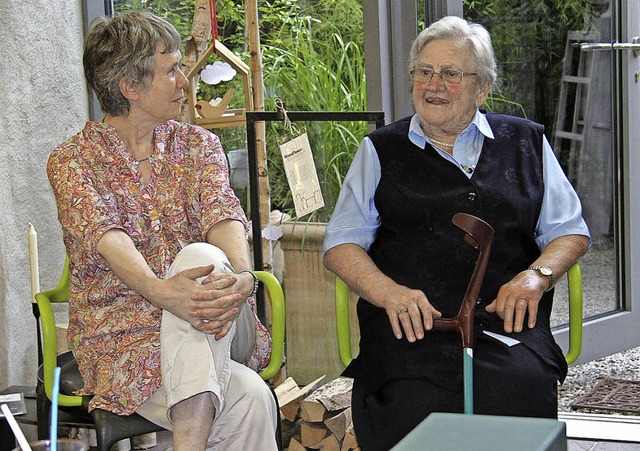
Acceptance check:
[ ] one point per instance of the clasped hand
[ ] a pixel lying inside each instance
(209, 301)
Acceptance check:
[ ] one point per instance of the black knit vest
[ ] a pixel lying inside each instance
(418, 246)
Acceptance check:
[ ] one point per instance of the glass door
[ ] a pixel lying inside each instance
(577, 74)
(572, 66)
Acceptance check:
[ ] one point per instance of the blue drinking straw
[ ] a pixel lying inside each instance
(54, 409)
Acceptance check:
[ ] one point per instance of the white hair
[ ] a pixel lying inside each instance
(474, 34)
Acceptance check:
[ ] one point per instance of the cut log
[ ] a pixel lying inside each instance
(290, 400)
(350, 441)
(312, 410)
(295, 445)
(334, 395)
(285, 392)
(312, 434)
(301, 392)
(290, 411)
(329, 443)
(284, 389)
(339, 423)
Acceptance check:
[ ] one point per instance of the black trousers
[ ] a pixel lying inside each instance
(511, 381)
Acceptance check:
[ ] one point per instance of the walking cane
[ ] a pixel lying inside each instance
(479, 235)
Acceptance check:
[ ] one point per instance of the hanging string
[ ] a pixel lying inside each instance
(214, 23)
(280, 108)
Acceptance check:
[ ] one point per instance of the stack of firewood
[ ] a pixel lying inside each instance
(317, 416)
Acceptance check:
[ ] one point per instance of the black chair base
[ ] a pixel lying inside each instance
(110, 428)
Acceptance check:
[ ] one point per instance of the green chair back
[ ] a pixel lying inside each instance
(574, 277)
(60, 294)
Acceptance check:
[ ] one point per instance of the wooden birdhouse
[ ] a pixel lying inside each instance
(204, 114)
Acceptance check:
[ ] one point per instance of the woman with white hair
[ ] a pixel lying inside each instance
(392, 241)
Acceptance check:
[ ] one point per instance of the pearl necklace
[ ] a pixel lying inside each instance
(440, 143)
(468, 169)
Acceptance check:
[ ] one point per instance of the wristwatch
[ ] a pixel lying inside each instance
(545, 271)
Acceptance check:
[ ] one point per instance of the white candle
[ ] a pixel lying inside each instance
(22, 440)
(33, 262)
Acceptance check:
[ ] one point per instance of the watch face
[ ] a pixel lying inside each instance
(545, 271)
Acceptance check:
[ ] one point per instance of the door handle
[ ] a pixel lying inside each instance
(634, 46)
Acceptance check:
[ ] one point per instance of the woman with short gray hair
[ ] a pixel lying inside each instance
(111, 52)
(162, 311)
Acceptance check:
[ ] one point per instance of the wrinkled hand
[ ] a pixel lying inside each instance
(224, 290)
(210, 306)
(517, 298)
(409, 311)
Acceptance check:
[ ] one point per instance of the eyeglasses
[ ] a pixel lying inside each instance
(448, 76)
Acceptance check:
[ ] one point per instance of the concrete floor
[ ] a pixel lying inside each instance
(584, 445)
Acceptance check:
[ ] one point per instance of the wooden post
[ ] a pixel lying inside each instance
(264, 193)
(195, 46)
(258, 105)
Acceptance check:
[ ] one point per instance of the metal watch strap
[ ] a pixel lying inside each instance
(549, 276)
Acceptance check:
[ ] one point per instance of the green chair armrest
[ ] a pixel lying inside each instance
(574, 277)
(342, 321)
(278, 318)
(44, 300)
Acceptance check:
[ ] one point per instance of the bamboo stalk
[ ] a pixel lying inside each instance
(195, 46)
(257, 97)
(258, 105)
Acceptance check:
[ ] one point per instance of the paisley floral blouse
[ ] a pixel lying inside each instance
(114, 332)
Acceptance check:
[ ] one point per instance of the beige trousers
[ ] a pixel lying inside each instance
(194, 363)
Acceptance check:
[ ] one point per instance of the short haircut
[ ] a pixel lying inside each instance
(474, 34)
(124, 46)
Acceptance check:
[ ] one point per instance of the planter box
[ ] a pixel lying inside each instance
(309, 289)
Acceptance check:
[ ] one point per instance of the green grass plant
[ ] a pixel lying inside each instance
(316, 75)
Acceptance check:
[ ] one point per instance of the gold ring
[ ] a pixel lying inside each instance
(403, 310)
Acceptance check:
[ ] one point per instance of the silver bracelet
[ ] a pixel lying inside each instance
(255, 281)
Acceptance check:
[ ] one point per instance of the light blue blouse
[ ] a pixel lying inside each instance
(356, 219)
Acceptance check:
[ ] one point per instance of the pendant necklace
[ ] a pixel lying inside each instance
(153, 146)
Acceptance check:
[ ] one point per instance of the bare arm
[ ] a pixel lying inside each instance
(408, 309)
(522, 294)
(230, 290)
(229, 235)
(177, 294)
